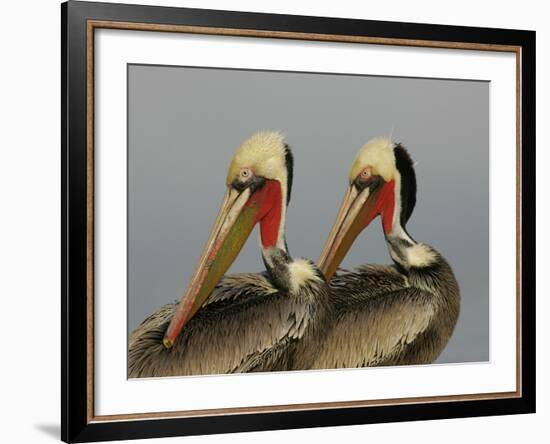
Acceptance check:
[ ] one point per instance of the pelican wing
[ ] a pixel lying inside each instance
(245, 325)
(378, 316)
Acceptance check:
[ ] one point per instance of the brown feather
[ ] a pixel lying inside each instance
(245, 325)
(385, 316)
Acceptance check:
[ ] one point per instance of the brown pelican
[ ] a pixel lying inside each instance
(385, 315)
(246, 322)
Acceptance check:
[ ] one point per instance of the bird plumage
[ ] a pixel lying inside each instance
(384, 316)
(246, 325)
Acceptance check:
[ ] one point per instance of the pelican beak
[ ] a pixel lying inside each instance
(358, 209)
(235, 221)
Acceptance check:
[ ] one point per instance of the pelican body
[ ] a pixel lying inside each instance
(242, 322)
(397, 314)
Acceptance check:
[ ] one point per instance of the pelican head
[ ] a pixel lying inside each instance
(257, 191)
(382, 182)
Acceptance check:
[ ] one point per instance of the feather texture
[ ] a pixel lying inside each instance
(384, 316)
(245, 325)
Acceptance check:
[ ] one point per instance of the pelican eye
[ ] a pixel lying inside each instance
(247, 179)
(366, 174)
(366, 178)
(245, 174)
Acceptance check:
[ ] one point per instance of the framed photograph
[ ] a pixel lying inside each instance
(275, 221)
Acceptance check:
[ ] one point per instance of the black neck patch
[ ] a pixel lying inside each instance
(404, 165)
(276, 262)
(289, 162)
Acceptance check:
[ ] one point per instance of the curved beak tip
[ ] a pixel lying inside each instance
(168, 343)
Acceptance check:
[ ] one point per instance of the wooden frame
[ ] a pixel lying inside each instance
(79, 21)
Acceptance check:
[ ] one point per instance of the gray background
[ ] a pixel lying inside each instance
(185, 123)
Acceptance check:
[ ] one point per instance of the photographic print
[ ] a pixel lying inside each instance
(403, 277)
(277, 221)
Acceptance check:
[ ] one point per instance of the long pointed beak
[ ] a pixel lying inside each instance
(231, 229)
(356, 212)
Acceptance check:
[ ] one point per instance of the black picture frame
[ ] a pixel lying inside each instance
(76, 423)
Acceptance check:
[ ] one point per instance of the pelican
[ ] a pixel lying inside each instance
(241, 322)
(399, 314)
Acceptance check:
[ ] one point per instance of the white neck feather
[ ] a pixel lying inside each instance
(403, 248)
